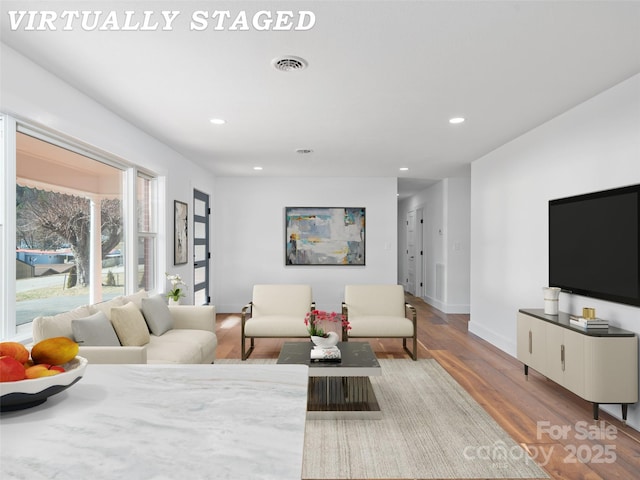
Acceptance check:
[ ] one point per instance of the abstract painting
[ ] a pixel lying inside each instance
(324, 236)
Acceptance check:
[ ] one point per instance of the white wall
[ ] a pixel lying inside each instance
(446, 241)
(457, 234)
(249, 235)
(31, 94)
(595, 146)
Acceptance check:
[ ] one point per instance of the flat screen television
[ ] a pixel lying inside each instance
(594, 244)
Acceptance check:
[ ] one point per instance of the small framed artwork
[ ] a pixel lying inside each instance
(181, 232)
(324, 236)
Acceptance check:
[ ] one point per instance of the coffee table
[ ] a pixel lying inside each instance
(338, 390)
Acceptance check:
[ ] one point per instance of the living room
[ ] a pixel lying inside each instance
(588, 144)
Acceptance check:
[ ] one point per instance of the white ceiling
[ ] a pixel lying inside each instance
(383, 79)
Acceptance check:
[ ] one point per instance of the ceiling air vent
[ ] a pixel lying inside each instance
(289, 64)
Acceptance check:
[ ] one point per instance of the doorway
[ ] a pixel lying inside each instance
(201, 253)
(415, 252)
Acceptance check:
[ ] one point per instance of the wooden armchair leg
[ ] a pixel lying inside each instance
(246, 353)
(414, 354)
(414, 320)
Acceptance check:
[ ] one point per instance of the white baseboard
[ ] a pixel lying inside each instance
(447, 308)
(496, 339)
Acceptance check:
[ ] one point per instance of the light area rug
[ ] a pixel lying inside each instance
(430, 428)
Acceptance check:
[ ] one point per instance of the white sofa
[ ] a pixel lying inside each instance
(136, 329)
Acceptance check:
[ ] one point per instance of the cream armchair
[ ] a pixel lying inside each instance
(275, 311)
(380, 311)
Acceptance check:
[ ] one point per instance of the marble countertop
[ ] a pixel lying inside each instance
(163, 422)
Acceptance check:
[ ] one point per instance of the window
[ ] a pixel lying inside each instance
(147, 230)
(66, 205)
(70, 242)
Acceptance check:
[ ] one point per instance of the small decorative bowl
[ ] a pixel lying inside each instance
(331, 340)
(32, 392)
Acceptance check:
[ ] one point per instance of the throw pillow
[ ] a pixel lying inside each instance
(94, 330)
(129, 325)
(57, 325)
(157, 314)
(107, 305)
(135, 298)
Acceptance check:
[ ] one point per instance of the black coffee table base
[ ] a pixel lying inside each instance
(338, 390)
(342, 397)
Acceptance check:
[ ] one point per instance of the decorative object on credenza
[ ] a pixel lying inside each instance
(318, 321)
(324, 236)
(176, 291)
(551, 295)
(588, 320)
(181, 232)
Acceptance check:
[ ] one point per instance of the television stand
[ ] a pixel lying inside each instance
(585, 362)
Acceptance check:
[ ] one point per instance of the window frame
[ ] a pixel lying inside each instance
(151, 234)
(9, 127)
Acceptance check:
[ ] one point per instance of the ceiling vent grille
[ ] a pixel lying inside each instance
(289, 64)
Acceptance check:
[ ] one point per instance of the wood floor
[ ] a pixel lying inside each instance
(556, 426)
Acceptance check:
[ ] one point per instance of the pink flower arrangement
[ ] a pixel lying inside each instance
(315, 319)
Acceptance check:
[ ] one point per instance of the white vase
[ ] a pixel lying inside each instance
(331, 340)
(551, 295)
(173, 302)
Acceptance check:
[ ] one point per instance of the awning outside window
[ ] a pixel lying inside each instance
(51, 168)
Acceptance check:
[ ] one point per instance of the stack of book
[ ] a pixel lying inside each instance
(588, 322)
(325, 354)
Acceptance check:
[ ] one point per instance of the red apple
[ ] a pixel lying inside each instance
(42, 370)
(11, 370)
(15, 350)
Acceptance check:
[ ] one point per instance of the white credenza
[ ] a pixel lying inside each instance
(600, 366)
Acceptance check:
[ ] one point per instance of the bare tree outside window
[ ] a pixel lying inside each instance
(49, 219)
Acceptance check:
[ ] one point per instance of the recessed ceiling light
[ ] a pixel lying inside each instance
(257, 168)
(456, 120)
(404, 169)
(218, 121)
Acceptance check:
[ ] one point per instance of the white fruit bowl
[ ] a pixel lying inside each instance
(31, 392)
